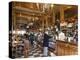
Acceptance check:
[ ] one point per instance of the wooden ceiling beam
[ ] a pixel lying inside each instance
(28, 10)
(28, 14)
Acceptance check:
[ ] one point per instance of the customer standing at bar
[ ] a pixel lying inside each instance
(31, 39)
(57, 24)
(26, 45)
(46, 44)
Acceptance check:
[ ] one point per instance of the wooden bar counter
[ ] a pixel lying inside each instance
(66, 48)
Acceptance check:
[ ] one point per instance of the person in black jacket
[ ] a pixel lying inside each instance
(31, 39)
(46, 44)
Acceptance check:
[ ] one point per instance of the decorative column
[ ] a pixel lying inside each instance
(42, 22)
(14, 17)
(46, 20)
(62, 13)
(53, 16)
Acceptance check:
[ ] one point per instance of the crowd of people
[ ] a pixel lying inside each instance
(47, 37)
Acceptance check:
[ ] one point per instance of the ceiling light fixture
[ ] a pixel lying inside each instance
(52, 5)
(69, 7)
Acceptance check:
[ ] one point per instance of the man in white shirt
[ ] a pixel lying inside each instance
(62, 36)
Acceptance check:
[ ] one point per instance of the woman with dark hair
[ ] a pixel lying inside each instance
(26, 45)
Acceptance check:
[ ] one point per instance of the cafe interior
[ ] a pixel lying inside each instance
(36, 18)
